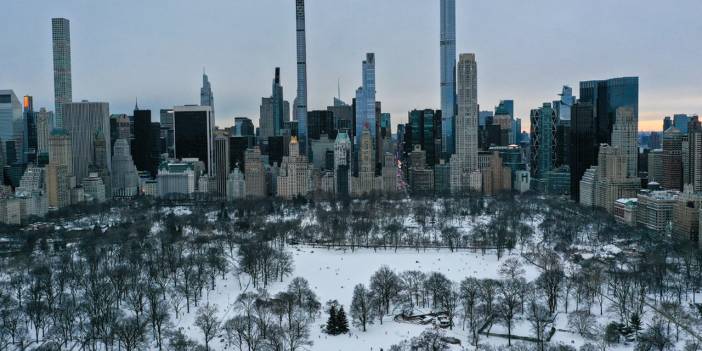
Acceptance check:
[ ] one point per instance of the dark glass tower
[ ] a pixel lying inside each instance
(194, 127)
(595, 114)
(143, 143)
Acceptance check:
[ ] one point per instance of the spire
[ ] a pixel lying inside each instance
(338, 87)
(136, 104)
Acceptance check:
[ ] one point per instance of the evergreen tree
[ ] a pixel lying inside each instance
(342, 322)
(635, 323)
(332, 322)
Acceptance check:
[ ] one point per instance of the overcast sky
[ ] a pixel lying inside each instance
(526, 50)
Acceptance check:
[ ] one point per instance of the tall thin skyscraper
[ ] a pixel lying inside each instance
(465, 174)
(206, 96)
(301, 100)
(448, 76)
(365, 99)
(467, 138)
(63, 86)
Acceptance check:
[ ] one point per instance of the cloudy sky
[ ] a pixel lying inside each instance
(526, 50)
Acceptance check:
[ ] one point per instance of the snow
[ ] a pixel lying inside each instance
(332, 274)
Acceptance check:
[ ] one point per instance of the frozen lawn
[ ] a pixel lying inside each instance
(333, 273)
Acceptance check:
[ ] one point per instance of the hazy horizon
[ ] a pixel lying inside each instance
(155, 51)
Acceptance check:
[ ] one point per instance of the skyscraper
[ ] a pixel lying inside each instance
(448, 75)
(464, 163)
(273, 110)
(625, 138)
(672, 159)
(601, 99)
(125, 179)
(193, 128)
(206, 96)
(10, 120)
(166, 118)
(543, 141)
(365, 99)
(63, 86)
(221, 163)
(29, 131)
(83, 120)
(142, 148)
(45, 124)
(606, 96)
(301, 99)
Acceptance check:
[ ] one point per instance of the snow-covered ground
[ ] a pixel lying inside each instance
(333, 273)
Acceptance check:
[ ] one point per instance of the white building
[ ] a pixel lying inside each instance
(588, 187)
(94, 188)
(236, 186)
(176, 178)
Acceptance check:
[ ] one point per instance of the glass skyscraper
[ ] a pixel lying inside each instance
(448, 76)
(592, 121)
(365, 99)
(206, 96)
(63, 86)
(606, 96)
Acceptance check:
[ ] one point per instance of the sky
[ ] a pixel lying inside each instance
(155, 50)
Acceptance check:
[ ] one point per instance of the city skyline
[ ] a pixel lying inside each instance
(402, 47)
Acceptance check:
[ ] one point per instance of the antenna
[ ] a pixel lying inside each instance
(338, 87)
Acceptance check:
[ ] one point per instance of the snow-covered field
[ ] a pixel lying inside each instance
(333, 273)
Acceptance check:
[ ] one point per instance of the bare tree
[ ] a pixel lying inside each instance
(361, 307)
(208, 323)
(508, 303)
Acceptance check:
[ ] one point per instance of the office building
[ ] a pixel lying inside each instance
(45, 124)
(193, 129)
(320, 122)
(145, 146)
(167, 133)
(83, 121)
(243, 126)
(255, 173)
(447, 44)
(221, 164)
(543, 143)
(593, 118)
(343, 116)
(425, 127)
(63, 86)
(273, 110)
(672, 159)
(11, 124)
